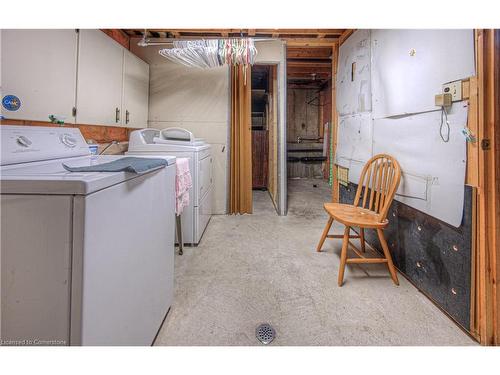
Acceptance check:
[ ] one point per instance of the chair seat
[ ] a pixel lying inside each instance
(350, 215)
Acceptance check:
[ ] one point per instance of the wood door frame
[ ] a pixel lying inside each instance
(277, 68)
(334, 115)
(335, 120)
(486, 327)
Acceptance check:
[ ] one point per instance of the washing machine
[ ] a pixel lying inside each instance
(87, 257)
(182, 143)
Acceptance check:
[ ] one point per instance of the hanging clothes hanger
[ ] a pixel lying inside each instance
(212, 53)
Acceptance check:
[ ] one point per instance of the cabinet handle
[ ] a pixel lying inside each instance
(127, 116)
(117, 115)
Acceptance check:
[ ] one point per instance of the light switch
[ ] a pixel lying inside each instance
(455, 89)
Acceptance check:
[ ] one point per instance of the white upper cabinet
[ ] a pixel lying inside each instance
(135, 91)
(39, 68)
(100, 79)
(60, 72)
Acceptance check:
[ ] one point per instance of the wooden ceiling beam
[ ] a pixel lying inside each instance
(306, 76)
(310, 42)
(310, 63)
(346, 34)
(200, 31)
(260, 31)
(301, 31)
(309, 69)
(309, 53)
(322, 35)
(305, 85)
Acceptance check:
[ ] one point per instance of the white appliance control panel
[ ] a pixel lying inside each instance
(22, 144)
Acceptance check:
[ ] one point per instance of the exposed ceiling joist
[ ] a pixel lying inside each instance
(309, 53)
(308, 64)
(313, 32)
(310, 42)
(299, 37)
(346, 34)
(308, 77)
(309, 69)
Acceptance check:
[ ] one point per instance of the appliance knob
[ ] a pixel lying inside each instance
(68, 140)
(23, 141)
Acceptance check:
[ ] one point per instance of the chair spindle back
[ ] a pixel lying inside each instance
(378, 183)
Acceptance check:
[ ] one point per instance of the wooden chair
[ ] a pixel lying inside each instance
(377, 185)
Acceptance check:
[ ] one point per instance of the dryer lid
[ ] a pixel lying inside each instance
(178, 136)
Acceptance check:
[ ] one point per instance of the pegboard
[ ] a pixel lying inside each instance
(435, 256)
(342, 175)
(353, 76)
(409, 67)
(433, 170)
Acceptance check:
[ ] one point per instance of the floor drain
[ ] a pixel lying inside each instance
(265, 333)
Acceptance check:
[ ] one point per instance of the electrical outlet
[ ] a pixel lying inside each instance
(455, 89)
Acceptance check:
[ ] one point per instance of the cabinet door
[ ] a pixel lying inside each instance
(39, 67)
(135, 91)
(100, 67)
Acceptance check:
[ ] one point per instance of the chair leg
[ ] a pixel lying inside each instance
(343, 255)
(362, 239)
(325, 233)
(387, 254)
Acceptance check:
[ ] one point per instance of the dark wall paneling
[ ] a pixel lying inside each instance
(435, 256)
(259, 159)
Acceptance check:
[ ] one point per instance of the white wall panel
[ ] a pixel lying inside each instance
(180, 93)
(433, 171)
(409, 67)
(353, 82)
(196, 100)
(354, 143)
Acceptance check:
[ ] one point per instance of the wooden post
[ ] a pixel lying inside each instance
(488, 252)
(334, 121)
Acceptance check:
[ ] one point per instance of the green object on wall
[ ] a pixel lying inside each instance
(55, 120)
(330, 177)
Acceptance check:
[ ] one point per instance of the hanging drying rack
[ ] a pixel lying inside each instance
(211, 53)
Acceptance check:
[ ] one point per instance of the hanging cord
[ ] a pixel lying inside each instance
(444, 120)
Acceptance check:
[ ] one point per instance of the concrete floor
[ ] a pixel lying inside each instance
(259, 268)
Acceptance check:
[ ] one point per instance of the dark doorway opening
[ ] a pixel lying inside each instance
(260, 126)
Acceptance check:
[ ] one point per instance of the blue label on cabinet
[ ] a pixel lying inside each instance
(11, 102)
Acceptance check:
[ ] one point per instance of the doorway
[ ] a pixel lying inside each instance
(309, 119)
(264, 131)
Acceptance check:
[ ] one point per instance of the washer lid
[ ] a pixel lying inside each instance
(49, 177)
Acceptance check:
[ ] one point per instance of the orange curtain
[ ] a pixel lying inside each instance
(241, 141)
